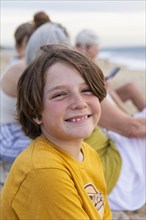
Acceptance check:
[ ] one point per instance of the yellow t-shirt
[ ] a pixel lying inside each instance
(47, 183)
(109, 155)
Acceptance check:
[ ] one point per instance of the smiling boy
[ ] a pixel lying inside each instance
(58, 176)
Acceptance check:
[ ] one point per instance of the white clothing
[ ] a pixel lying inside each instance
(8, 108)
(130, 190)
(13, 141)
(8, 103)
(12, 138)
(12, 62)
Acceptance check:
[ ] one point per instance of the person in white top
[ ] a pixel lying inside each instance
(12, 138)
(131, 147)
(10, 129)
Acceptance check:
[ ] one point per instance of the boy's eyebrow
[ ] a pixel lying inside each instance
(60, 87)
(55, 88)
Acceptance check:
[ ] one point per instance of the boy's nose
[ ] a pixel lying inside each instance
(78, 102)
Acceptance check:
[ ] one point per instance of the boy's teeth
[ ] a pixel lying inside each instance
(78, 119)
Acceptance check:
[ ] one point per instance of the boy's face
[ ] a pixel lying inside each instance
(70, 110)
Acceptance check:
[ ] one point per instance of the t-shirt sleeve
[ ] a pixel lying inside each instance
(48, 194)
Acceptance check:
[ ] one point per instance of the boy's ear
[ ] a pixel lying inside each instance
(37, 121)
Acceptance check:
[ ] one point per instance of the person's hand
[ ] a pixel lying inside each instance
(138, 128)
(142, 121)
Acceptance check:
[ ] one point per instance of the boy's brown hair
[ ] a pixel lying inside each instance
(31, 83)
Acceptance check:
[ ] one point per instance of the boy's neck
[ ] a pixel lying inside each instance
(73, 148)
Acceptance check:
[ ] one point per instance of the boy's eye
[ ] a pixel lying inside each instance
(87, 90)
(59, 95)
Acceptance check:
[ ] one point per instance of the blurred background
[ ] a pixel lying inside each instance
(120, 24)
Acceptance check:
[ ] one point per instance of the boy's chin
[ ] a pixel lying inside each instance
(87, 134)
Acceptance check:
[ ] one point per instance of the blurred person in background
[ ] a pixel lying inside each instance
(87, 42)
(24, 31)
(118, 148)
(12, 138)
(49, 33)
(40, 18)
(21, 36)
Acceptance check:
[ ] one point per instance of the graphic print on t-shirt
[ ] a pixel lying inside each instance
(96, 197)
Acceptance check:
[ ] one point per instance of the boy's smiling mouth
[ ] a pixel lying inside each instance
(78, 118)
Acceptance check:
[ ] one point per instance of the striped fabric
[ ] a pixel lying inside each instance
(12, 141)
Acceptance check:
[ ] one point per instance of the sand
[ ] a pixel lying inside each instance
(124, 76)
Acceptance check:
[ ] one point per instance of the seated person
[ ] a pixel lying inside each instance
(87, 42)
(24, 31)
(115, 145)
(12, 138)
(123, 160)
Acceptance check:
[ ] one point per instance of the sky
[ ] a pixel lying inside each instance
(117, 23)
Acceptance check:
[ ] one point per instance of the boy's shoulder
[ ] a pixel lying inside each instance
(39, 154)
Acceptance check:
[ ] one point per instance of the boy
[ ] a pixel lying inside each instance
(58, 176)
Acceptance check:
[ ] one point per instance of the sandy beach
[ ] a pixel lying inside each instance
(125, 75)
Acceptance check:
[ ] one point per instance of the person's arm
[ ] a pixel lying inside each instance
(113, 118)
(118, 101)
(10, 79)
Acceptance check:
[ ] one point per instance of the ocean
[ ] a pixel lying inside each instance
(133, 58)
